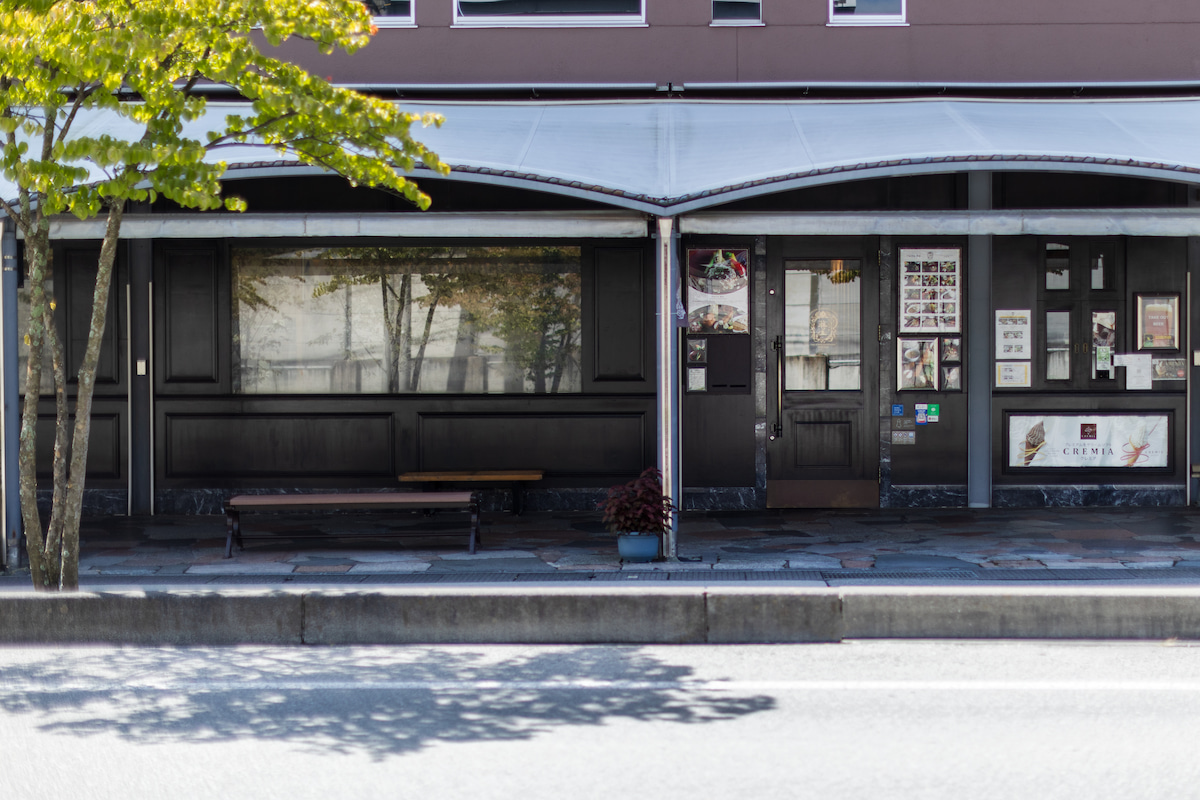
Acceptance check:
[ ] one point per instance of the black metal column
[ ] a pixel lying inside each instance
(141, 383)
(979, 350)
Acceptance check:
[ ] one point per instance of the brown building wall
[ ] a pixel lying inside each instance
(945, 41)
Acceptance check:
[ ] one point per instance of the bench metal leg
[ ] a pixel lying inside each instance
(474, 527)
(233, 531)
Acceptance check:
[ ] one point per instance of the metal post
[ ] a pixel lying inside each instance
(10, 429)
(979, 350)
(668, 376)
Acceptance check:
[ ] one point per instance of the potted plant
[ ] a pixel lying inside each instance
(639, 514)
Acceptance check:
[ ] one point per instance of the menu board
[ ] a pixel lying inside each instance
(930, 290)
(718, 291)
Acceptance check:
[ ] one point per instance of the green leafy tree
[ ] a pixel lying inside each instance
(62, 63)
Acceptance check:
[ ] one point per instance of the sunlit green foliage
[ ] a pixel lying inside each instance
(62, 62)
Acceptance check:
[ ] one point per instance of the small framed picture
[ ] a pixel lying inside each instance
(952, 378)
(697, 351)
(917, 364)
(951, 349)
(1158, 321)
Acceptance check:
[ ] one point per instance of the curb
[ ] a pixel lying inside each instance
(567, 615)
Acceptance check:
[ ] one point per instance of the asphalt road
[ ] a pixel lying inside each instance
(855, 720)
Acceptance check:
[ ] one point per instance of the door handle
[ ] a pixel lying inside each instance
(777, 426)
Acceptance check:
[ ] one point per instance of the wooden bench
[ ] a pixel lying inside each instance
(381, 501)
(512, 477)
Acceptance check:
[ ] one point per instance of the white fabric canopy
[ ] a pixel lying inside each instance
(670, 156)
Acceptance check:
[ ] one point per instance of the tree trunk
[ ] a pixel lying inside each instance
(73, 504)
(37, 248)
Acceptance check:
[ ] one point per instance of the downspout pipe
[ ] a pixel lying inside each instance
(10, 430)
(668, 376)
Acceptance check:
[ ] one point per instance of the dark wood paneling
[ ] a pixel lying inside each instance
(191, 311)
(104, 446)
(823, 444)
(620, 333)
(560, 444)
(301, 445)
(940, 454)
(822, 494)
(718, 440)
(79, 281)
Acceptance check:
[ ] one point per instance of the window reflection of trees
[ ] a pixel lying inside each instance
(407, 319)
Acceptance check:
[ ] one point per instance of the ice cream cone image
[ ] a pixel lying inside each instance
(1035, 439)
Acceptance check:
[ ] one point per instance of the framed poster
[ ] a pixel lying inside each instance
(1157, 321)
(1085, 441)
(718, 296)
(930, 290)
(1013, 375)
(917, 364)
(1014, 334)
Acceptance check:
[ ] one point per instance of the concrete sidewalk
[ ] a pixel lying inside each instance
(816, 548)
(791, 576)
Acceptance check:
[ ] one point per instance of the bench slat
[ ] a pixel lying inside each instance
(478, 475)
(371, 499)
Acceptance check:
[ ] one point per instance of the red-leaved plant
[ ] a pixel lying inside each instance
(638, 506)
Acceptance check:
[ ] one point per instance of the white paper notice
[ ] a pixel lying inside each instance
(1137, 371)
(1014, 340)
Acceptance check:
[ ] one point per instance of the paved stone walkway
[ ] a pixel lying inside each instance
(826, 547)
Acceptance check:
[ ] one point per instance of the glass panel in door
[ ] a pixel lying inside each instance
(822, 336)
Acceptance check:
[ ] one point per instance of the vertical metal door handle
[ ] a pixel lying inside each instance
(777, 426)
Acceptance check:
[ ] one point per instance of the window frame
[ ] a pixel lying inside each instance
(551, 20)
(395, 20)
(737, 23)
(899, 20)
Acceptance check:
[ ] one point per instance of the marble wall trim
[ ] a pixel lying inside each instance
(1086, 496)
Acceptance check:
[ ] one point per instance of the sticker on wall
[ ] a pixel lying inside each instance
(1169, 369)
(922, 413)
(934, 411)
(718, 291)
(904, 437)
(897, 410)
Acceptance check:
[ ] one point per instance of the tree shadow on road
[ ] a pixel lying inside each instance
(378, 701)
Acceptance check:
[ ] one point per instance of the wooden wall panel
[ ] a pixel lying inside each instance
(620, 332)
(560, 444)
(191, 310)
(300, 445)
(823, 444)
(104, 446)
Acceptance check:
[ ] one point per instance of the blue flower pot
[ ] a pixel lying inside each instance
(638, 546)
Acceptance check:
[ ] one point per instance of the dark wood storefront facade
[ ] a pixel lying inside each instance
(185, 436)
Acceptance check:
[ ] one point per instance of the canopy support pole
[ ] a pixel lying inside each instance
(668, 376)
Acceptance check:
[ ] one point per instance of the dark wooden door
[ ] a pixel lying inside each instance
(823, 443)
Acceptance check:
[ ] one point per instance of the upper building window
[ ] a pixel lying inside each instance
(866, 12)
(391, 13)
(737, 12)
(549, 12)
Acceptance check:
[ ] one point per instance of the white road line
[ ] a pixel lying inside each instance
(18, 686)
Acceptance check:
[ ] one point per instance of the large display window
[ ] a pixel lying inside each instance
(471, 320)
